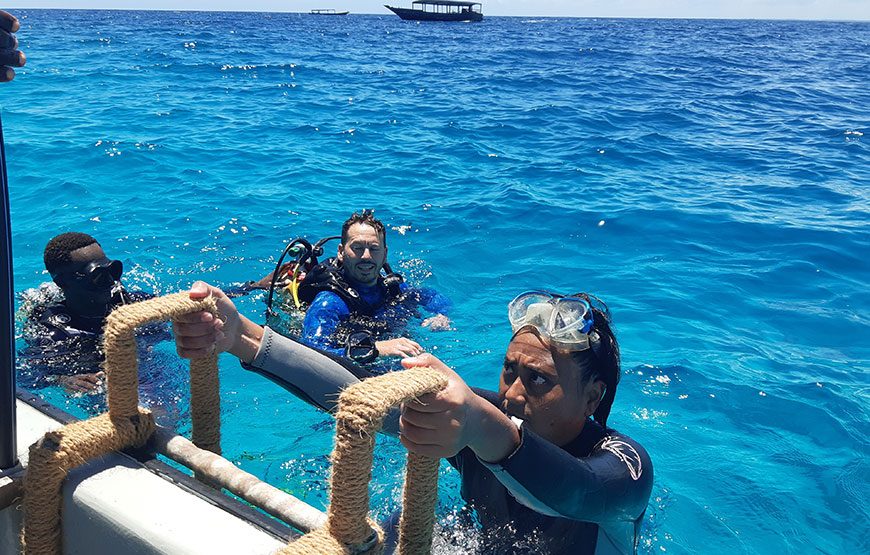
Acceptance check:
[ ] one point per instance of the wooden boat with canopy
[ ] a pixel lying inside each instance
(440, 10)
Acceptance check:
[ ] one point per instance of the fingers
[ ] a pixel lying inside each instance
(9, 22)
(74, 386)
(409, 348)
(14, 58)
(409, 344)
(82, 383)
(419, 411)
(431, 451)
(89, 378)
(8, 40)
(401, 346)
(425, 360)
(434, 450)
(197, 343)
(420, 435)
(199, 290)
(9, 55)
(196, 320)
(196, 334)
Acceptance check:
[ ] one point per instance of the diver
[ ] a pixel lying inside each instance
(353, 307)
(540, 468)
(64, 337)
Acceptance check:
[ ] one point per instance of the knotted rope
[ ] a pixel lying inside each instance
(361, 411)
(125, 425)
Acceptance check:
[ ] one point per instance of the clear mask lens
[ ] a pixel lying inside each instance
(530, 309)
(571, 317)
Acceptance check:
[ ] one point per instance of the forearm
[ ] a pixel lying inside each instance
(248, 343)
(494, 436)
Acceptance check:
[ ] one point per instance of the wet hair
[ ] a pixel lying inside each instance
(366, 217)
(602, 363)
(58, 251)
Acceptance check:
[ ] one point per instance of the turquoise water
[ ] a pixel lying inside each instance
(708, 179)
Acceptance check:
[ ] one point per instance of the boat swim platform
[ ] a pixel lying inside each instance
(130, 503)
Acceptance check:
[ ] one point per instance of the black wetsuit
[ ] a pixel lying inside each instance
(552, 498)
(58, 343)
(586, 497)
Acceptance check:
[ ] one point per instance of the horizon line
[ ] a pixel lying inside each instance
(686, 18)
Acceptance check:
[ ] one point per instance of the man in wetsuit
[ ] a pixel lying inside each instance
(539, 465)
(353, 297)
(64, 338)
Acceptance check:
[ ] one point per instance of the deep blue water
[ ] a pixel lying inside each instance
(708, 179)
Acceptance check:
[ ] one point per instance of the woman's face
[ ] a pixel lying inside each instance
(545, 388)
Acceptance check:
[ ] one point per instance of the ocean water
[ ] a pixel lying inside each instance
(710, 180)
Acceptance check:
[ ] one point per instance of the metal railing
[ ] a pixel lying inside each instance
(8, 447)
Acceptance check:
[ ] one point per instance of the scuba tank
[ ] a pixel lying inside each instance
(296, 271)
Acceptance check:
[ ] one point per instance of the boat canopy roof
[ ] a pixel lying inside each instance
(446, 3)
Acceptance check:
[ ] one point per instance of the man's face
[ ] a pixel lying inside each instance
(545, 389)
(363, 255)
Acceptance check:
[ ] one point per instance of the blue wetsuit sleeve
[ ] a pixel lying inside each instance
(323, 317)
(433, 301)
(612, 484)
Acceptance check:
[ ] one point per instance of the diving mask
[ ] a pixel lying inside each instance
(96, 275)
(565, 321)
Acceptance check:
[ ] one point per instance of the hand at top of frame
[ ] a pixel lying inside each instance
(10, 56)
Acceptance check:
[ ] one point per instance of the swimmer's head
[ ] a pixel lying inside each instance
(79, 266)
(363, 249)
(554, 388)
(58, 252)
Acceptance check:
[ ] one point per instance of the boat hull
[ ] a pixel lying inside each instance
(419, 15)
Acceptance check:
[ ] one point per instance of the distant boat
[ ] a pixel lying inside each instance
(329, 11)
(440, 10)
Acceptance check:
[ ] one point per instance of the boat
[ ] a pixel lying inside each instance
(440, 10)
(328, 11)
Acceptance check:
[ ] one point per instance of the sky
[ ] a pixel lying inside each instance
(729, 9)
